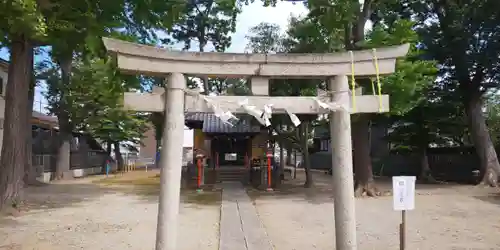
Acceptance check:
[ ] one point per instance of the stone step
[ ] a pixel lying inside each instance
(231, 175)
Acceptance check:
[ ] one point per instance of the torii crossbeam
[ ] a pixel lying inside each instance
(174, 65)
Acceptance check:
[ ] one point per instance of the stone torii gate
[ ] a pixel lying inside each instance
(176, 100)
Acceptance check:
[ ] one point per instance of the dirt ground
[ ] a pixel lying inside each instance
(120, 213)
(446, 217)
(93, 214)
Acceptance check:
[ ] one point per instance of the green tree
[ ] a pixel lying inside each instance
(206, 22)
(83, 24)
(438, 120)
(464, 37)
(110, 123)
(345, 20)
(22, 25)
(493, 117)
(75, 21)
(95, 96)
(265, 38)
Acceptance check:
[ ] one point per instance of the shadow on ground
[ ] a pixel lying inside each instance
(322, 190)
(490, 197)
(53, 196)
(72, 193)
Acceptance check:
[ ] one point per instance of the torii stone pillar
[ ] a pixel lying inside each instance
(171, 163)
(342, 169)
(135, 58)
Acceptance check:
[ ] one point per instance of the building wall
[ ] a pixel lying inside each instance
(200, 142)
(3, 82)
(148, 147)
(259, 145)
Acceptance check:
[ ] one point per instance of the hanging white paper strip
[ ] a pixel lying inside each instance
(295, 120)
(253, 111)
(341, 103)
(332, 106)
(225, 116)
(267, 114)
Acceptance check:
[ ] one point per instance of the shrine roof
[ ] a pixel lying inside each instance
(212, 124)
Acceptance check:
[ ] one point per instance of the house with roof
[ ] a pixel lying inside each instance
(87, 156)
(243, 140)
(228, 149)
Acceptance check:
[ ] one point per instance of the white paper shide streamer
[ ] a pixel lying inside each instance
(261, 116)
(225, 116)
(268, 113)
(295, 120)
(332, 106)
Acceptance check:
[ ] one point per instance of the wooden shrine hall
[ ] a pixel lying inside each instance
(228, 151)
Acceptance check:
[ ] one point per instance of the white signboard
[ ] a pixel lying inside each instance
(403, 192)
(230, 157)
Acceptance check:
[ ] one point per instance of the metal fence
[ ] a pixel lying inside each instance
(92, 159)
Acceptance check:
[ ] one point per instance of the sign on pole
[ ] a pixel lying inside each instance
(403, 189)
(403, 193)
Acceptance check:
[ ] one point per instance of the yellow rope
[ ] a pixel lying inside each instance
(379, 86)
(353, 83)
(373, 86)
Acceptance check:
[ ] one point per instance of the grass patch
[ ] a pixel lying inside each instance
(209, 198)
(136, 179)
(148, 185)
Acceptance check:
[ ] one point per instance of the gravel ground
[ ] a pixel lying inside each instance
(446, 217)
(83, 215)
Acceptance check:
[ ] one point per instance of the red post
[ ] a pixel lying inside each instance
(269, 186)
(199, 173)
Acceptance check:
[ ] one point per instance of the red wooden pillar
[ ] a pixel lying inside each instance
(199, 164)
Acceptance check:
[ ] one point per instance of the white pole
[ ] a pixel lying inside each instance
(171, 163)
(342, 169)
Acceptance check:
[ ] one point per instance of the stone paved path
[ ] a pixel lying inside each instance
(240, 226)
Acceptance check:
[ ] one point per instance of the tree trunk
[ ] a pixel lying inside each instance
(363, 178)
(281, 169)
(489, 166)
(282, 157)
(425, 170)
(63, 160)
(118, 156)
(13, 157)
(201, 48)
(30, 172)
(65, 127)
(158, 137)
(288, 156)
(295, 164)
(109, 147)
(305, 152)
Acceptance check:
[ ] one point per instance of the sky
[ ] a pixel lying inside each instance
(252, 15)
